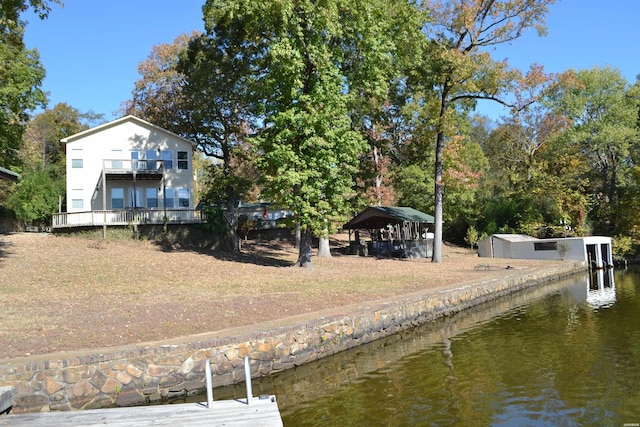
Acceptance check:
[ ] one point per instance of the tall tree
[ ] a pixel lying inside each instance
(604, 133)
(462, 31)
(21, 75)
(38, 193)
(311, 60)
(220, 88)
(158, 94)
(43, 133)
(196, 87)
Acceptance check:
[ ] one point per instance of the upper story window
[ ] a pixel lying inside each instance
(150, 156)
(76, 158)
(135, 156)
(116, 159)
(183, 160)
(167, 158)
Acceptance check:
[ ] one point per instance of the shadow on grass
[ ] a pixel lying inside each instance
(267, 255)
(4, 247)
(264, 254)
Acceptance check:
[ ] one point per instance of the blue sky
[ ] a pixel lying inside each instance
(91, 49)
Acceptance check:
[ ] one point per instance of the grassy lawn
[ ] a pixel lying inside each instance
(68, 293)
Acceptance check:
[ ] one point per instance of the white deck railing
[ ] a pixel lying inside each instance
(125, 165)
(127, 217)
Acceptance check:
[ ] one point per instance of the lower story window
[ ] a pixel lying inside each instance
(168, 198)
(117, 198)
(183, 198)
(135, 199)
(77, 204)
(152, 198)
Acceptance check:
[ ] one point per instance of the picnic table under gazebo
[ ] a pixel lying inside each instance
(392, 231)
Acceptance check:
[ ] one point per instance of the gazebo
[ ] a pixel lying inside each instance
(393, 231)
(9, 175)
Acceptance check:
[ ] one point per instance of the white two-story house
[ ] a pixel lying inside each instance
(128, 170)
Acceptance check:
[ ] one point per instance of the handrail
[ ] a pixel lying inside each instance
(127, 217)
(132, 165)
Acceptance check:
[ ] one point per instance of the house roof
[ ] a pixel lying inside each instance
(9, 175)
(380, 216)
(119, 121)
(515, 237)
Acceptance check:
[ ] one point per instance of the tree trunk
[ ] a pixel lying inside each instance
(376, 161)
(236, 241)
(439, 190)
(439, 185)
(304, 253)
(297, 236)
(323, 247)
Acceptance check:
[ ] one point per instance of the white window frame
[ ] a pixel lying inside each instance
(155, 197)
(180, 199)
(135, 157)
(113, 191)
(137, 199)
(168, 162)
(183, 164)
(169, 198)
(150, 156)
(77, 201)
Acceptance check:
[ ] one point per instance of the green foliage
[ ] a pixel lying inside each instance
(414, 186)
(41, 141)
(472, 236)
(37, 195)
(21, 75)
(308, 66)
(605, 133)
(463, 71)
(623, 246)
(216, 221)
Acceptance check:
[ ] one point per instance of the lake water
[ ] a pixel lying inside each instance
(566, 354)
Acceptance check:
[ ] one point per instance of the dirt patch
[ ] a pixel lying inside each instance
(66, 293)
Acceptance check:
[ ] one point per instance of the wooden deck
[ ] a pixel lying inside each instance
(262, 411)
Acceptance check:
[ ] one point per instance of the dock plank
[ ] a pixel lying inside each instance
(231, 413)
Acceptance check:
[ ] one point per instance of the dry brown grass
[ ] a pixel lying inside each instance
(67, 293)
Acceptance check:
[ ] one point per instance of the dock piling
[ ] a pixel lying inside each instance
(209, 380)
(247, 379)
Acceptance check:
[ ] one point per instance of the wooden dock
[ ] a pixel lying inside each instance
(262, 411)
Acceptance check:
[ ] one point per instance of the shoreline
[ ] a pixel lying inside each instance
(155, 371)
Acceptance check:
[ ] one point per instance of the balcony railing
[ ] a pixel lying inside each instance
(124, 165)
(127, 217)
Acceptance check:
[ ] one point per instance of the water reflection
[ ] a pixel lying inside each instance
(601, 291)
(541, 357)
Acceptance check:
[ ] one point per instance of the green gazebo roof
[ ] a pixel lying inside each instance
(380, 216)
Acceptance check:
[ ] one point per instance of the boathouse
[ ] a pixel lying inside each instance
(391, 231)
(595, 250)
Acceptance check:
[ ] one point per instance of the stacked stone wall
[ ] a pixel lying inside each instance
(155, 373)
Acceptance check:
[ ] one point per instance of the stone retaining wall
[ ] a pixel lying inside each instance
(156, 372)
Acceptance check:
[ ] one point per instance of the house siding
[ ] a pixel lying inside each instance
(130, 134)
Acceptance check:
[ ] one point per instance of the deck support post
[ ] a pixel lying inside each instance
(104, 203)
